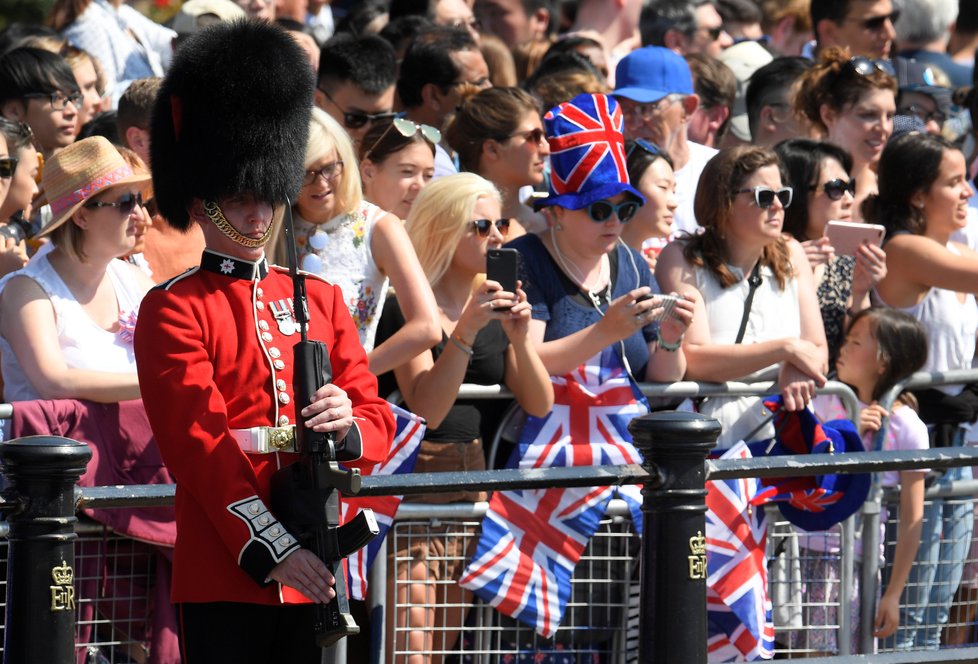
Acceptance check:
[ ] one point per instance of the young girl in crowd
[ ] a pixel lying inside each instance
(882, 347)
(397, 160)
(651, 170)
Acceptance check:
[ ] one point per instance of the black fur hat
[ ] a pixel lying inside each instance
(232, 115)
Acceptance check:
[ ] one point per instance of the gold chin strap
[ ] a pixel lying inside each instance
(214, 213)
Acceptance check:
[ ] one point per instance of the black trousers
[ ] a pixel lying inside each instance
(236, 633)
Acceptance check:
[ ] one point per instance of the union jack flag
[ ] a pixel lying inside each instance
(738, 606)
(408, 433)
(596, 146)
(532, 540)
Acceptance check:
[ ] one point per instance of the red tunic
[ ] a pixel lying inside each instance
(211, 357)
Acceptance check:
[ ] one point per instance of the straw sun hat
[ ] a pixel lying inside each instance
(80, 171)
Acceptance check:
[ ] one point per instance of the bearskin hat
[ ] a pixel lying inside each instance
(232, 115)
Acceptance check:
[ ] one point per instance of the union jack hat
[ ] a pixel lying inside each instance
(587, 152)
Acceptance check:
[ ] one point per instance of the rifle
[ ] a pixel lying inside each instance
(305, 495)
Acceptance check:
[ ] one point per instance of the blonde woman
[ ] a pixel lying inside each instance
(359, 247)
(453, 223)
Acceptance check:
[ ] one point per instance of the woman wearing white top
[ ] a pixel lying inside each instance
(740, 203)
(66, 319)
(359, 247)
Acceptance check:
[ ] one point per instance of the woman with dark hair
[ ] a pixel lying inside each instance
(651, 170)
(497, 133)
(757, 307)
(15, 206)
(819, 172)
(923, 199)
(397, 160)
(851, 101)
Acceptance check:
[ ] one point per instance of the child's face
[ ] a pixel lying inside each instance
(858, 363)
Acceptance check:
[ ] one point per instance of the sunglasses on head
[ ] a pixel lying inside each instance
(876, 23)
(837, 188)
(601, 211)
(764, 196)
(866, 67)
(484, 226)
(7, 167)
(408, 129)
(645, 146)
(125, 203)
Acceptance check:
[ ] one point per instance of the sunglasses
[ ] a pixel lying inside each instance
(535, 136)
(329, 172)
(7, 167)
(714, 33)
(354, 120)
(408, 129)
(876, 23)
(764, 196)
(923, 114)
(645, 146)
(58, 101)
(483, 226)
(601, 211)
(837, 188)
(866, 67)
(126, 203)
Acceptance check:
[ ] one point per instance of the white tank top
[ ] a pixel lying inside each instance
(84, 344)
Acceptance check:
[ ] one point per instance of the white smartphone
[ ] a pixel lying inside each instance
(847, 236)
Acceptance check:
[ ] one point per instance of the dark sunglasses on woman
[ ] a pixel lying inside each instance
(126, 203)
(601, 211)
(837, 188)
(7, 167)
(483, 226)
(764, 196)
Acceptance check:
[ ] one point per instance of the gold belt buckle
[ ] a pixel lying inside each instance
(281, 438)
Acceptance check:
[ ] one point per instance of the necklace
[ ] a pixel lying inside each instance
(604, 273)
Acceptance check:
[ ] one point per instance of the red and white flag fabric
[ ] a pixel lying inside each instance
(408, 433)
(532, 540)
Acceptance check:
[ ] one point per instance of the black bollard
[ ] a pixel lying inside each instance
(41, 473)
(673, 602)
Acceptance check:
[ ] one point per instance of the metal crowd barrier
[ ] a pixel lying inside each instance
(492, 637)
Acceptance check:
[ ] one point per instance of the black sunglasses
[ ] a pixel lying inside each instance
(126, 203)
(865, 67)
(837, 188)
(764, 196)
(645, 146)
(876, 23)
(483, 226)
(601, 211)
(352, 120)
(7, 167)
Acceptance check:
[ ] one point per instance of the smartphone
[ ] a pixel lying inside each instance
(847, 236)
(667, 302)
(503, 266)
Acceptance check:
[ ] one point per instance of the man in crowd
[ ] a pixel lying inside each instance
(516, 21)
(685, 26)
(865, 26)
(356, 82)
(214, 349)
(923, 32)
(769, 113)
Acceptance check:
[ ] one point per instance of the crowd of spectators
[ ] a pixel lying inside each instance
(741, 130)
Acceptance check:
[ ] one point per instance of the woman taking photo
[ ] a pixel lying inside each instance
(359, 247)
(588, 289)
(452, 225)
(651, 170)
(497, 134)
(397, 160)
(20, 173)
(818, 172)
(67, 318)
(757, 307)
(851, 101)
(922, 201)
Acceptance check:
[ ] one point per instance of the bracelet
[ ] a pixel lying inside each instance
(671, 347)
(461, 345)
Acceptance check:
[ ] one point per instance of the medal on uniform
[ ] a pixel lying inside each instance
(282, 311)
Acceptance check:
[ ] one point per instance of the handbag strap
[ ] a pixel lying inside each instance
(753, 281)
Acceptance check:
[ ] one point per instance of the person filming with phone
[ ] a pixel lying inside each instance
(454, 223)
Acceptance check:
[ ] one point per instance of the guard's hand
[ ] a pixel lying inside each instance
(330, 410)
(306, 573)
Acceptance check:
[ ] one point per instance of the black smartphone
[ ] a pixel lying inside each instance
(503, 266)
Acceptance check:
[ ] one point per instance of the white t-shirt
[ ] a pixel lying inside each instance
(687, 179)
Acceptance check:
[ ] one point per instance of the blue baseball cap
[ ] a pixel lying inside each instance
(648, 74)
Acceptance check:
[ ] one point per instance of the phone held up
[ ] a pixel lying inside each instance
(847, 236)
(503, 266)
(666, 302)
